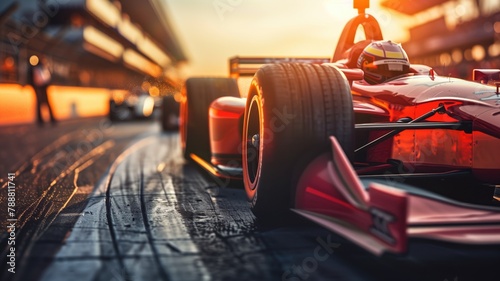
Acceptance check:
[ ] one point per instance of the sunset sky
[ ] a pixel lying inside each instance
(211, 31)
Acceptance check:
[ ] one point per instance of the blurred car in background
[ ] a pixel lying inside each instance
(136, 104)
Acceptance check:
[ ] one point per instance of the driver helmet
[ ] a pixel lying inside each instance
(383, 60)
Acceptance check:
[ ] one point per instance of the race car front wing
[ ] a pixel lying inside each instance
(382, 216)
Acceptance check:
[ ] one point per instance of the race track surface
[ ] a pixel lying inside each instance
(96, 200)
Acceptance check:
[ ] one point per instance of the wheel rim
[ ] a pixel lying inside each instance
(253, 142)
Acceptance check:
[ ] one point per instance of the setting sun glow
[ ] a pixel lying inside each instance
(268, 28)
(17, 103)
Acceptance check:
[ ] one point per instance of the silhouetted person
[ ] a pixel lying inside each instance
(39, 77)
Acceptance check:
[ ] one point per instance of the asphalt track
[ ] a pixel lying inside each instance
(116, 201)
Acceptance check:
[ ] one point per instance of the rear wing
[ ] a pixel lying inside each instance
(247, 66)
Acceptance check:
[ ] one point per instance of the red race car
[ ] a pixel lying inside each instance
(366, 144)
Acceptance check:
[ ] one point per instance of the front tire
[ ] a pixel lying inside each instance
(198, 94)
(291, 111)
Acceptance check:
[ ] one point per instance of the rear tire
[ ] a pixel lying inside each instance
(291, 111)
(198, 94)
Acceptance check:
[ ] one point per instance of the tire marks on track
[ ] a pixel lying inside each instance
(127, 250)
(109, 214)
(44, 210)
(36, 158)
(51, 189)
(161, 270)
(157, 218)
(80, 164)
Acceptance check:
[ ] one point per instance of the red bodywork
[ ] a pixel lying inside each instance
(379, 213)
(381, 217)
(225, 126)
(436, 149)
(410, 97)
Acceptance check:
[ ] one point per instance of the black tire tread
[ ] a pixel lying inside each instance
(320, 98)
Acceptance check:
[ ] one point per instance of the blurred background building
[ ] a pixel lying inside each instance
(91, 43)
(96, 49)
(452, 36)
